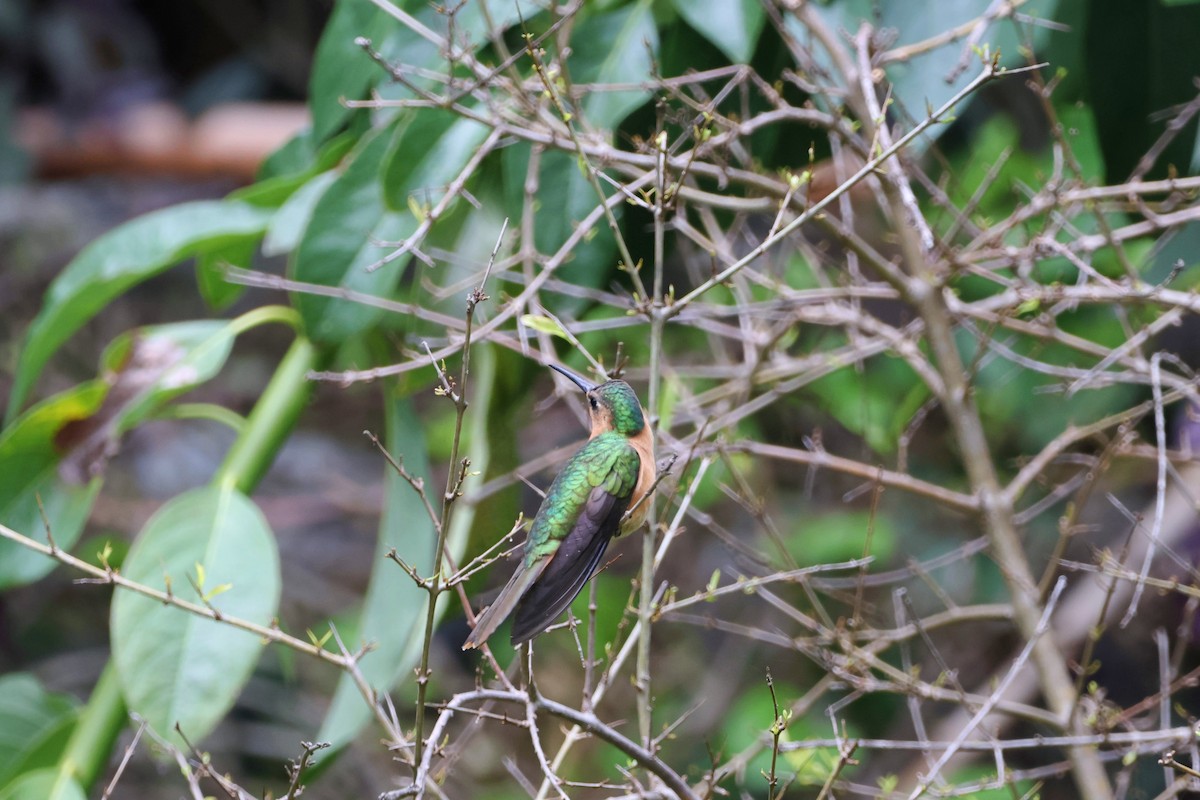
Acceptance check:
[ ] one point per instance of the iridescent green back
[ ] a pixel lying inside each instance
(606, 461)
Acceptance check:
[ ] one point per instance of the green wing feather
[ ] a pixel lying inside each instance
(580, 514)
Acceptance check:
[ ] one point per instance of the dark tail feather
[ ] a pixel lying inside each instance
(559, 584)
(504, 604)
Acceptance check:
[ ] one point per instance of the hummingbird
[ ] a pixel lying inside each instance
(582, 511)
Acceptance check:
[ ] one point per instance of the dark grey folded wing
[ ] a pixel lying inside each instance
(576, 560)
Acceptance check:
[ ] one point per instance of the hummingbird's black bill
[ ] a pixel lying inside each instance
(581, 382)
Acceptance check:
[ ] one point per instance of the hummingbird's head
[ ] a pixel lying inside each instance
(612, 405)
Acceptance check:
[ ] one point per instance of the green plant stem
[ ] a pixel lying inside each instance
(99, 724)
(452, 488)
(210, 412)
(649, 543)
(272, 419)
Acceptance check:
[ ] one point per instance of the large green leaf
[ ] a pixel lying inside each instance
(177, 667)
(57, 450)
(150, 366)
(841, 536)
(43, 784)
(875, 402)
(351, 218)
(288, 226)
(337, 244)
(615, 47)
(292, 166)
(431, 151)
(732, 25)
(29, 459)
(120, 259)
(34, 725)
(564, 198)
(423, 58)
(921, 82)
(211, 266)
(391, 613)
(340, 68)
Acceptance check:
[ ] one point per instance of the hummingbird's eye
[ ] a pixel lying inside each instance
(593, 402)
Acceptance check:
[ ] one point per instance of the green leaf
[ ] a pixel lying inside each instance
(291, 157)
(841, 536)
(29, 459)
(813, 767)
(351, 218)
(876, 403)
(57, 450)
(34, 725)
(431, 151)
(732, 25)
(177, 667)
(119, 260)
(211, 266)
(406, 527)
(289, 223)
(44, 784)
(294, 165)
(543, 324)
(564, 198)
(399, 45)
(152, 365)
(615, 47)
(341, 69)
(337, 245)
(921, 82)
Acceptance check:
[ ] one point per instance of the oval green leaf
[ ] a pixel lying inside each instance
(615, 47)
(34, 725)
(150, 366)
(286, 229)
(394, 603)
(43, 784)
(395, 608)
(337, 244)
(342, 69)
(564, 198)
(30, 453)
(120, 259)
(731, 25)
(177, 667)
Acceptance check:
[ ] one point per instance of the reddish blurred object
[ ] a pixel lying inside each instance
(158, 138)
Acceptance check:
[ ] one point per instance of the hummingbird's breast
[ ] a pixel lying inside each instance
(643, 443)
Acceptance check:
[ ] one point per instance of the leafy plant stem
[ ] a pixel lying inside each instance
(272, 419)
(649, 544)
(206, 411)
(265, 315)
(99, 723)
(455, 474)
